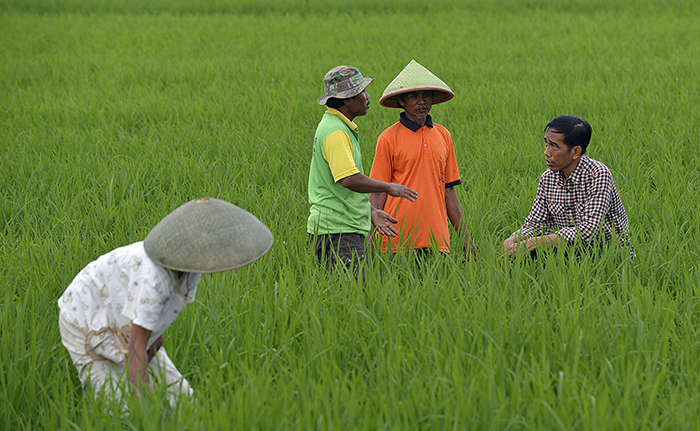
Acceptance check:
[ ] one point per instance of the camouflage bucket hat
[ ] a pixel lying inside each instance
(415, 77)
(343, 82)
(207, 235)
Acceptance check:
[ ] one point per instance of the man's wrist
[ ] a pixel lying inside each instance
(531, 243)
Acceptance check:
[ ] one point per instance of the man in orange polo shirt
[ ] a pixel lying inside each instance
(419, 154)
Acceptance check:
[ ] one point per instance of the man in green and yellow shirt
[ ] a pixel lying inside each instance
(341, 215)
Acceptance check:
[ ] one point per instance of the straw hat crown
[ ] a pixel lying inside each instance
(207, 235)
(415, 77)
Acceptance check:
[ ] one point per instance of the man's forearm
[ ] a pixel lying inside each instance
(138, 357)
(361, 183)
(138, 364)
(454, 211)
(454, 214)
(544, 241)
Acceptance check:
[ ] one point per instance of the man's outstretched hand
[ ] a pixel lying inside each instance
(400, 191)
(383, 222)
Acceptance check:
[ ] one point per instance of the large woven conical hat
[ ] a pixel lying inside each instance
(415, 77)
(207, 235)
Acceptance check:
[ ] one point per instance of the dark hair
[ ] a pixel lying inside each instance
(335, 103)
(577, 132)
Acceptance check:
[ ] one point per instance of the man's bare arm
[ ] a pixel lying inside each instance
(524, 245)
(361, 183)
(138, 358)
(454, 214)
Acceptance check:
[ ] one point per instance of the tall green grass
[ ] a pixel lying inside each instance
(114, 114)
(320, 7)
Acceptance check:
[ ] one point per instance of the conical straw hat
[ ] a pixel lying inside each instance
(415, 77)
(207, 235)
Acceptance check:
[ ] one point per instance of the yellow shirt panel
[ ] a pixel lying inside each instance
(337, 150)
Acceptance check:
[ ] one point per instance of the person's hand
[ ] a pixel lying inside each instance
(512, 246)
(382, 223)
(469, 250)
(400, 191)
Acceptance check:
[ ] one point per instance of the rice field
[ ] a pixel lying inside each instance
(115, 113)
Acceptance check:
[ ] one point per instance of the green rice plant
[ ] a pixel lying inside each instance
(115, 113)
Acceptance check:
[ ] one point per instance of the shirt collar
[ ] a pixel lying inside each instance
(342, 116)
(579, 171)
(412, 125)
(186, 282)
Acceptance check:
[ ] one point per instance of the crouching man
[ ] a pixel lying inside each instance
(576, 200)
(115, 311)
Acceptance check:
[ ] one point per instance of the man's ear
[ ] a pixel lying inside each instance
(576, 152)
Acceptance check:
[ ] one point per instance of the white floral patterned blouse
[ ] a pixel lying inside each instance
(123, 287)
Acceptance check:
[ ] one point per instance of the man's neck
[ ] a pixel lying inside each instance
(417, 120)
(345, 111)
(570, 169)
(413, 126)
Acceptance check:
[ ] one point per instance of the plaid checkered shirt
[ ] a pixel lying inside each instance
(581, 207)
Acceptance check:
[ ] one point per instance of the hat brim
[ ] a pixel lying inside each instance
(347, 93)
(440, 95)
(207, 235)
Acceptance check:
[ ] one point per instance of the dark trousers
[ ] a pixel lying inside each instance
(573, 251)
(346, 248)
(418, 258)
(419, 255)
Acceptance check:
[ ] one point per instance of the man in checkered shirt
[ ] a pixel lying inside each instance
(576, 201)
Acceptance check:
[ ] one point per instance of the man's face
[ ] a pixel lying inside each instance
(417, 105)
(359, 105)
(557, 154)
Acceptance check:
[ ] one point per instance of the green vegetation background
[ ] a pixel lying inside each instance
(115, 113)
